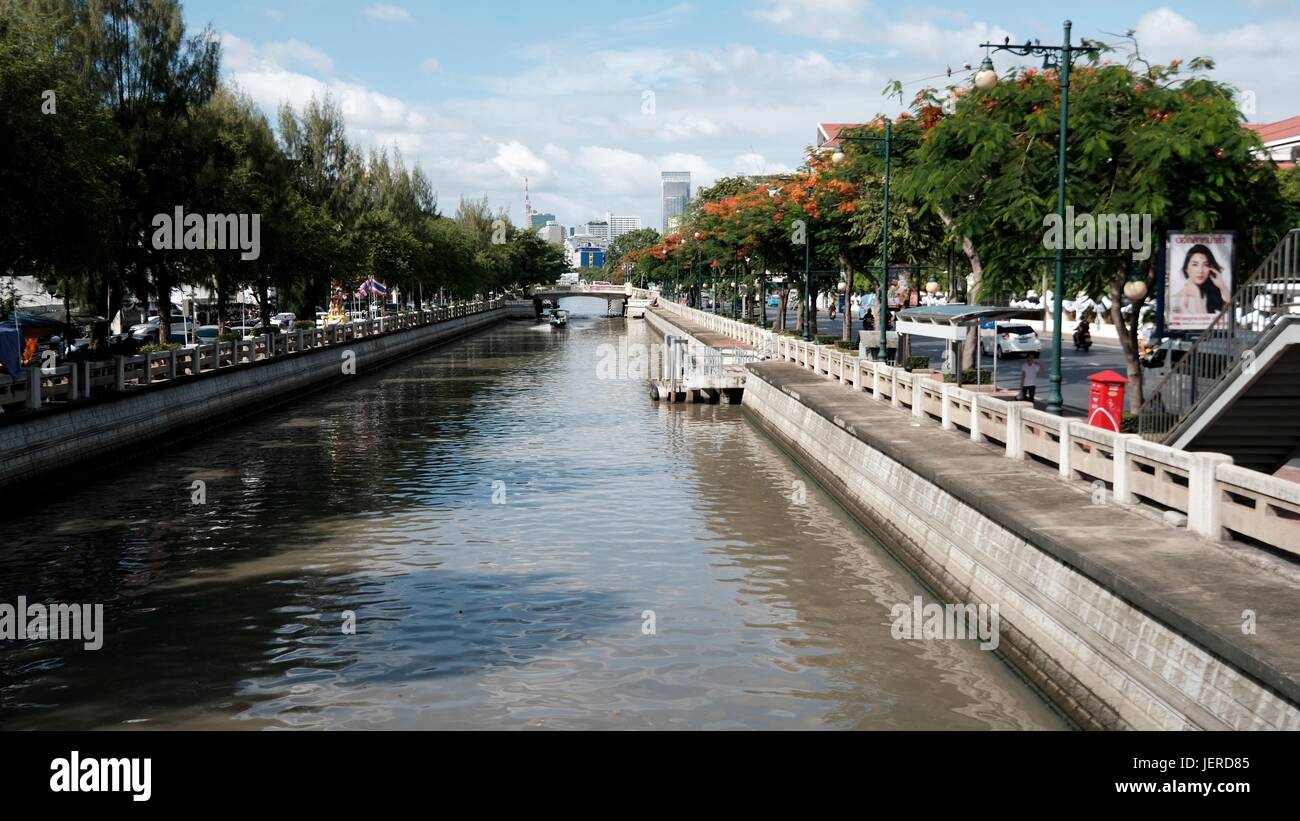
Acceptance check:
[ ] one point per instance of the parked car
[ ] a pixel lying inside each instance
(148, 331)
(206, 334)
(284, 321)
(1011, 338)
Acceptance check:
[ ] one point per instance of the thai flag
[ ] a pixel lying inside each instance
(364, 289)
(377, 287)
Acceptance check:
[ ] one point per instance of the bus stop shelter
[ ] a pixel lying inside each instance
(952, 323)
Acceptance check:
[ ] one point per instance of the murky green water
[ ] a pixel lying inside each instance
(506, 528)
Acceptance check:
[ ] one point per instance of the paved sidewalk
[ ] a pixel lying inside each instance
(1197, 587)
(703, 334)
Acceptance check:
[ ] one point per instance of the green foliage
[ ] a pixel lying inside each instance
(637, 240)
(140, 124)
(970, 376)
(845, 344)
(1130, 423)
(171, 346)
(917, 363)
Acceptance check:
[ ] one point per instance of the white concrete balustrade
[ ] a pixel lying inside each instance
(38, 387)
(1219, 499)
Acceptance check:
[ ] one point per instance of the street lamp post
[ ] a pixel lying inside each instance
(887, 144)
(1060, 57)
(807, 286)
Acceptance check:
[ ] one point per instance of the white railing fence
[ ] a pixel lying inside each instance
(1219, 499)
(48, 387)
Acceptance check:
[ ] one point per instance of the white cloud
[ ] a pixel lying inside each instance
(387, 13)
(431, 66)
(752, 164)
(241, 55)
(1255, 58)
(822, 19)
(687, 128)
(518, 161)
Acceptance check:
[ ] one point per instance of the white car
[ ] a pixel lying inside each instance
(1010, 338)
(284, 321)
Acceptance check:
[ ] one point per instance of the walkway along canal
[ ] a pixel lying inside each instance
(516, 541)
(1125, 620)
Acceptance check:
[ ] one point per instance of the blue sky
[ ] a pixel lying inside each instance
(590, 100)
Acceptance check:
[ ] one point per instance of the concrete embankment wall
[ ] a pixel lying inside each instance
(1104, 660)
(69, 442)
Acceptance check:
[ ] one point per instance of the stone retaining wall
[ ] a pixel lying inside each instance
(1105, 662)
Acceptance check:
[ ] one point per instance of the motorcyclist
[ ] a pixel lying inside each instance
(1082, 335)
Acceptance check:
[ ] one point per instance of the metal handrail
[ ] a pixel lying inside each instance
(1225, 347)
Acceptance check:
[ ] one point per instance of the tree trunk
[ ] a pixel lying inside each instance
(1128, 337)
(163, 289)
(264, 301)
(977, 271)
(782, 302)
(847, 324)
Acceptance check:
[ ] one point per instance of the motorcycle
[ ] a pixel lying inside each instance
(1082, 339)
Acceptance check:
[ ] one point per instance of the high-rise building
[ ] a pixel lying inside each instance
(619, 226)
(552, 232)
(596, 228)
(540, 220)
(676, 187)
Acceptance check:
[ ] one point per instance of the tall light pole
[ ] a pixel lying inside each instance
(807, 285)
(887, 143)
(1061, 58)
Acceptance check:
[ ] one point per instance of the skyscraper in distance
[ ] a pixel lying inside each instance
(676, 194)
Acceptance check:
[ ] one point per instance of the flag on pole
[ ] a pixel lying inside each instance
(377, 287)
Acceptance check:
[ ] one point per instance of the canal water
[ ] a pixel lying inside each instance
(494, 534)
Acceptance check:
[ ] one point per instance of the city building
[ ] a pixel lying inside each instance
(1281, 140)
(597, 228)
(676, 193)
(552, 232)
(539, 220)
(583, 246)
(828, 135)
(619, 226)
(589, 258)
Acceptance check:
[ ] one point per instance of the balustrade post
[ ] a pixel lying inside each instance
(1121, 481)
(33, 387)
(1204, 499)
(1066, 452)
(1016, 429)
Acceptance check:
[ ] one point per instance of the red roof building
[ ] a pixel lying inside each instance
(828, 134)
(1281, 140)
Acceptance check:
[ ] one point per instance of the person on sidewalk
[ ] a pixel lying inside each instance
(1029, 378)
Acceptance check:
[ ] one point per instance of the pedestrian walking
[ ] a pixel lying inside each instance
(1029, 378)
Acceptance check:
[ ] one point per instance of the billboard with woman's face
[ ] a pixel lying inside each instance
(1199, 278)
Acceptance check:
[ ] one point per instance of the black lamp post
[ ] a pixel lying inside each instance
(1061, 58)
(887, 147)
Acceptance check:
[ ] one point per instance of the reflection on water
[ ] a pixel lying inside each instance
(499, 521)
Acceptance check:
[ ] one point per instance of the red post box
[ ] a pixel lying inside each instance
(1106, 400)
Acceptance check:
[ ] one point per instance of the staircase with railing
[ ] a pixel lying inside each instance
(1236, 390)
